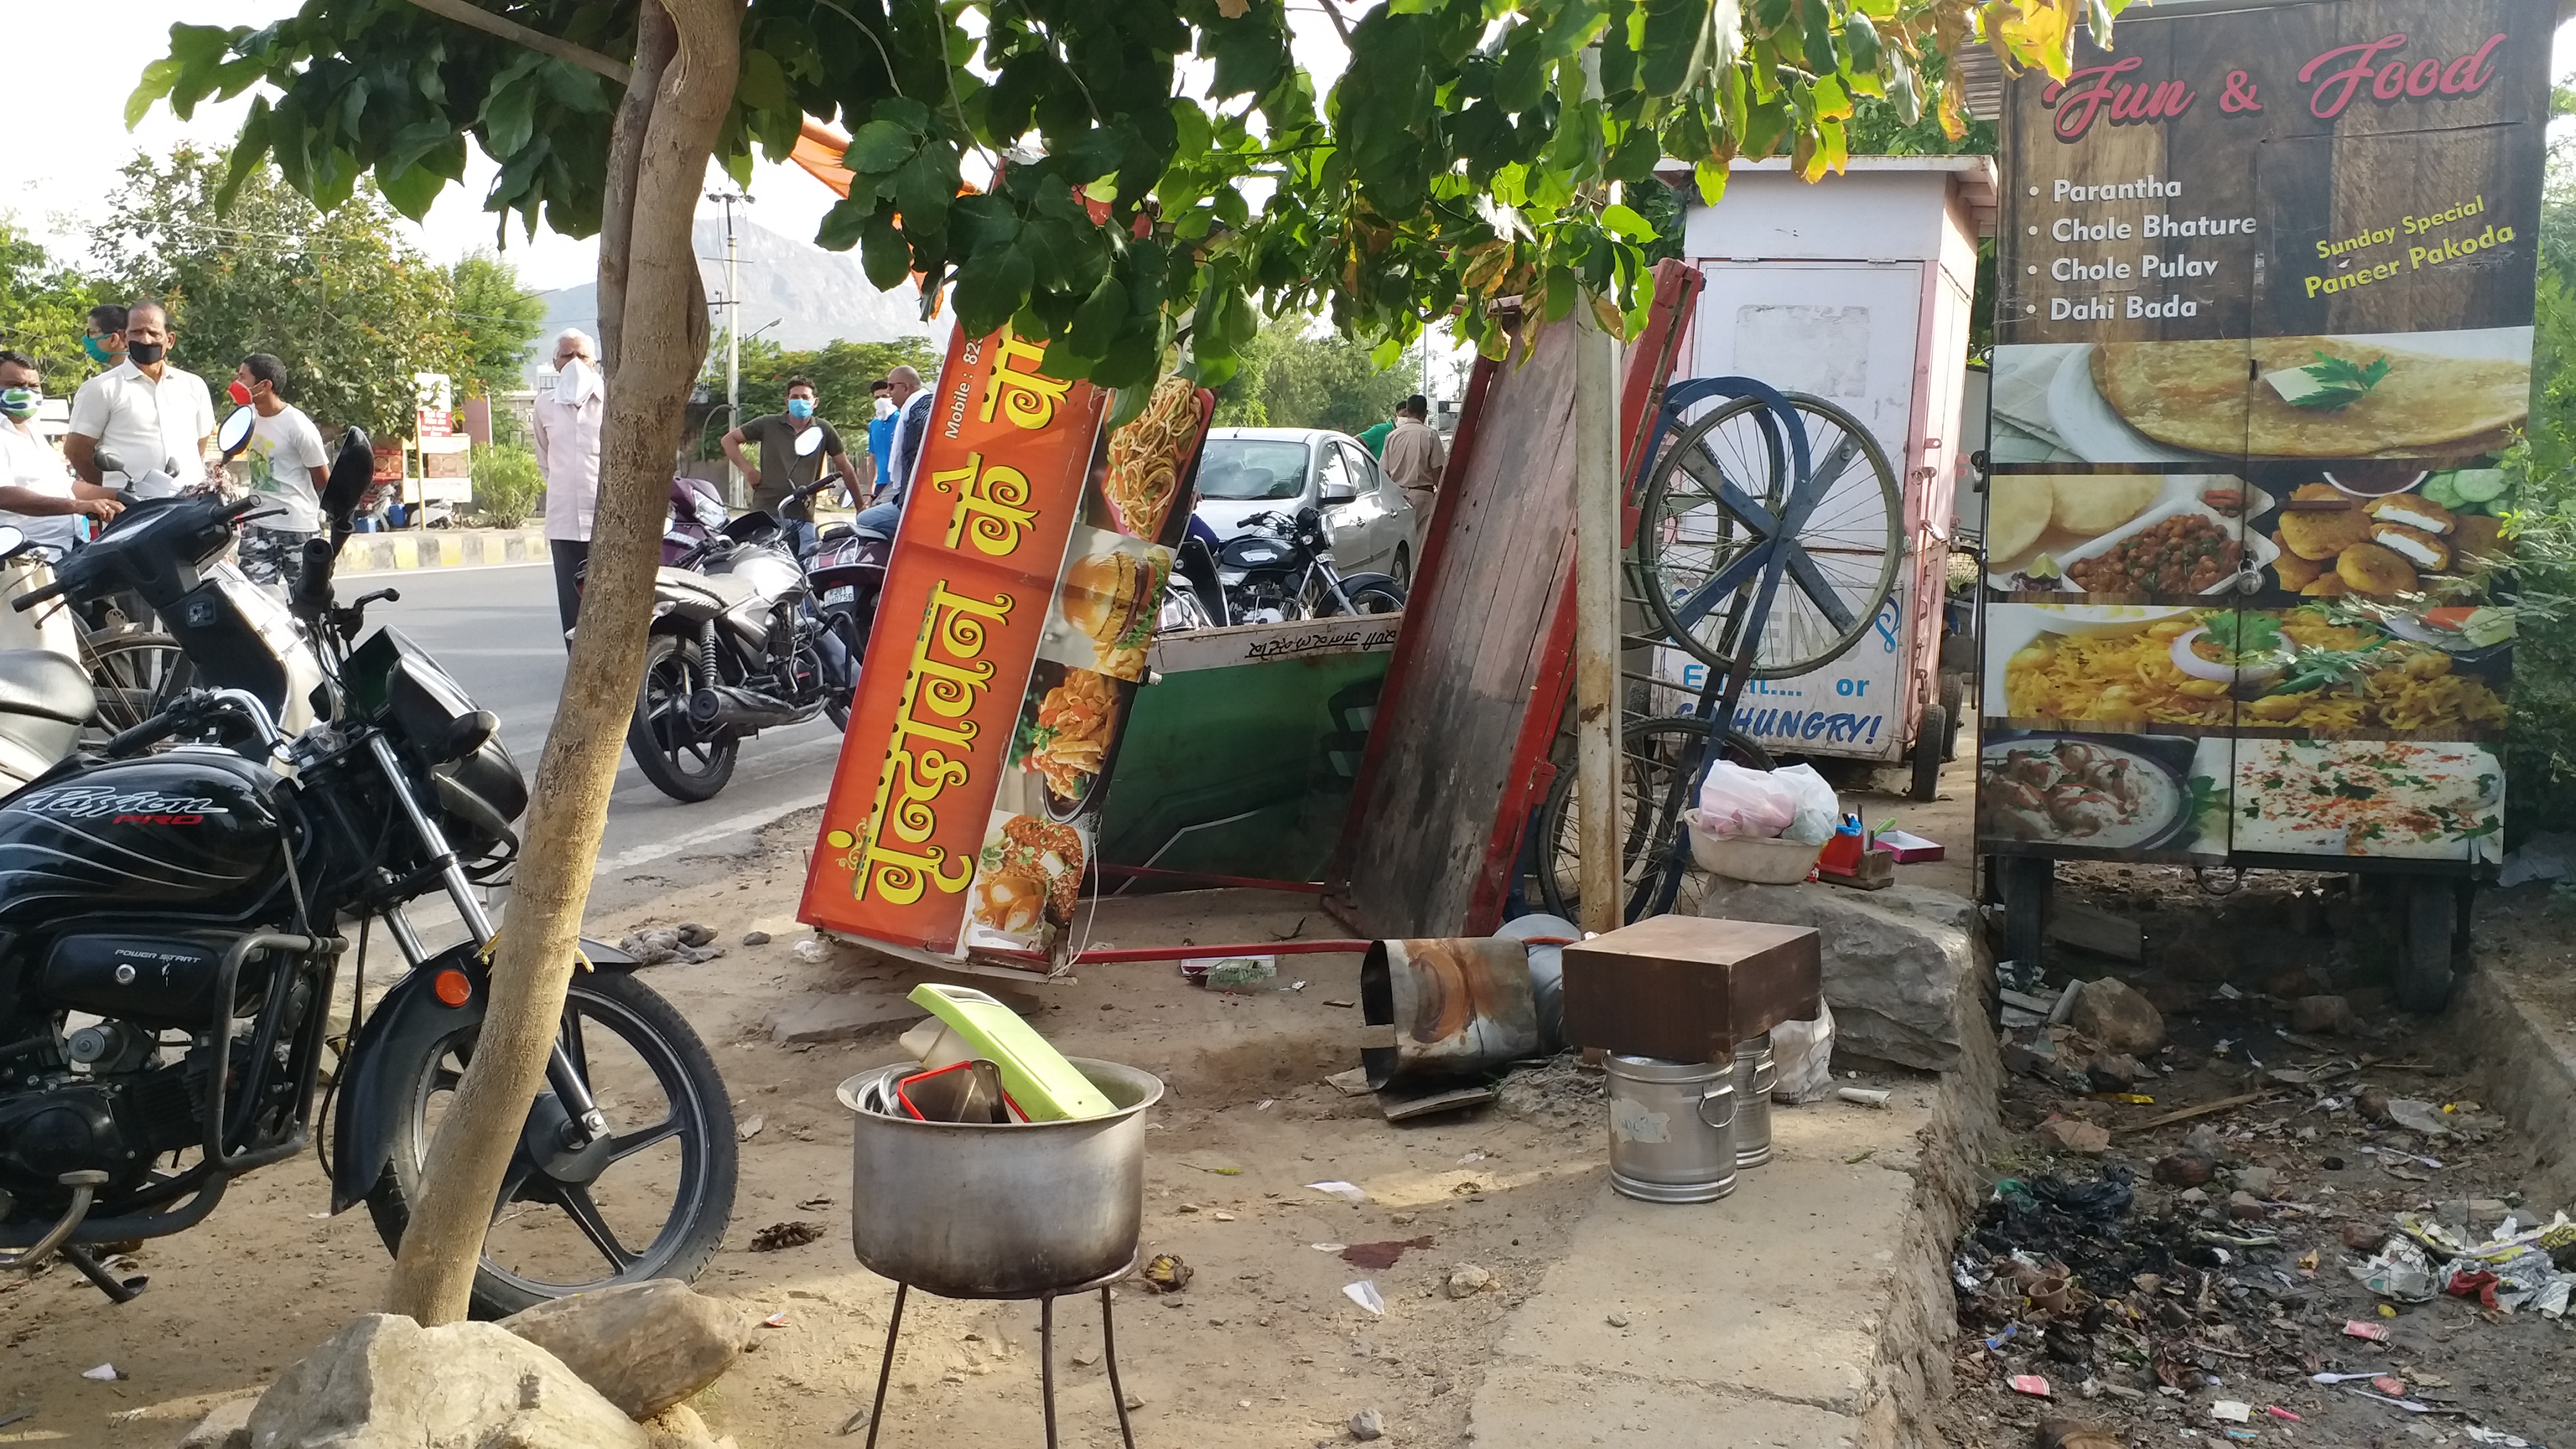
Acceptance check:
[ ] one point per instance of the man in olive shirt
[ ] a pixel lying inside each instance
(781, 470)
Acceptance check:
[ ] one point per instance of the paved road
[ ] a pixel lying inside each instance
(494, 629)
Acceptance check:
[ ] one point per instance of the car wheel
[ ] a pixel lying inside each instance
(1402, 568)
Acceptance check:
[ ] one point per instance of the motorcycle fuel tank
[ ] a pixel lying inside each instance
(194, 827)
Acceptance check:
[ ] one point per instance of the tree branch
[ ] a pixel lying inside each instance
(466, 12)
(1340, 26)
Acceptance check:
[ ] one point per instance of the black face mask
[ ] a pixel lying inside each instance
(146, 353)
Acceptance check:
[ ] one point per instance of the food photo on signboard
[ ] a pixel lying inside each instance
(2121, 534)
(2122, 796)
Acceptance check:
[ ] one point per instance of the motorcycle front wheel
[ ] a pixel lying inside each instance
(682, 762)
(653, 1203)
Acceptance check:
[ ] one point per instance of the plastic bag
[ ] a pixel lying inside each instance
(1818, 810)
(1802, 1054)
(1736, 801)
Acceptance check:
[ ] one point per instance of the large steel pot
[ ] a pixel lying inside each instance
(980, 1211)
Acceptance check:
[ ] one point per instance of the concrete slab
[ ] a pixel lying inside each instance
(1811, 1307)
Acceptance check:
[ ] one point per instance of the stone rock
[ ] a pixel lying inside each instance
(2244, 1206)
(385, 1382)
(2114, 1071)
(755, 938)
(228, 1427)
(678, 1427)
(2192, 1197)
(645, 1346)
(2363, 1238)
(2327, 1014)
(841, 1016)
(2069, 1134)
(1895, 962)
(2257, 1180)
(2173, 998)
(2113, 1013)
(1467, 1280)
(2296, 983)
(1368, 1424)
(2372, 1104)
(2184, 1169)
(2204, 1139)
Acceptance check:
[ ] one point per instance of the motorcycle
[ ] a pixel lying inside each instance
(735, 647)
(847, 575)
(1279, 568)
(171, 941)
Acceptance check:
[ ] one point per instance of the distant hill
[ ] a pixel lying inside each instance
(813, 296)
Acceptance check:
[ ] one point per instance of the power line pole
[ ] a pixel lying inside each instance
(733, 337)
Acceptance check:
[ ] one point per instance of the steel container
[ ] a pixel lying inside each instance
(968, 1210)
(1755, 1075)
(1445, 1011)
(1672, 1129)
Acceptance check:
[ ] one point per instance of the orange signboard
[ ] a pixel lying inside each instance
(959, 627)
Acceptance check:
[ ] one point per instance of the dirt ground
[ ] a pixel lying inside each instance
(1262, 1349)
(2219, 1315)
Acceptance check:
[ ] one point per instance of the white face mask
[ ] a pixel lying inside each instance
(884, 408)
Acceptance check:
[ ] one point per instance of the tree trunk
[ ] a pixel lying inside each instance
(656, 41)
(658, 347)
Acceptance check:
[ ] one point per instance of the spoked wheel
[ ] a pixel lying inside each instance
(136, 674)
(1376, 595)
(1715, 498)
(682, 761)
(1655, 752)
(650, 1201)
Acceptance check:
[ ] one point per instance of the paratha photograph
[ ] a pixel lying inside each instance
(2123, 534)
(2449, 395)
(2119, 796)
(2317, 669)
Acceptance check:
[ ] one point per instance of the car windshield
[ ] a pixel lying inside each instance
(1246, 469)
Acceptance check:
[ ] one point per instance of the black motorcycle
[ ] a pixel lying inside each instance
(847, 576)
(172, 936)
(737, 646)
(1279, 568)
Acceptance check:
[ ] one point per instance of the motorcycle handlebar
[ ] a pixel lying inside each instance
(33, 597)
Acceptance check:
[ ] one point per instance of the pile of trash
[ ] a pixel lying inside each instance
(2512, 1268)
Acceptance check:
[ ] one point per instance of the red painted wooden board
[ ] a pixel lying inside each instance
(1457, 756)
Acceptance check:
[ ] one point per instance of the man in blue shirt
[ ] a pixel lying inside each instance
(880, 437)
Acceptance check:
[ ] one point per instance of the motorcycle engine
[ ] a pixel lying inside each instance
(122, 1109)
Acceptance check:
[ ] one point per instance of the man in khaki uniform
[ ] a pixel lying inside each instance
(1413, 456)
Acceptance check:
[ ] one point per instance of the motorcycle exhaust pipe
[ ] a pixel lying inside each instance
(730, 706)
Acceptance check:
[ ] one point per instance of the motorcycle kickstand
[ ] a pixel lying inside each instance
(118, 1290)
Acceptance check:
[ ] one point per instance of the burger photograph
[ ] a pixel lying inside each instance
(1103, 617)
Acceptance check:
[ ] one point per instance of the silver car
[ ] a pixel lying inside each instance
(1245, 471)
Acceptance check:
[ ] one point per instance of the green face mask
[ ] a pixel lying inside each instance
(97, 350)
(20, 402)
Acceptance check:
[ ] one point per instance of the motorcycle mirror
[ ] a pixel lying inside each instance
(12, 539)
(234, 434)
(809, 442)
(107, 462)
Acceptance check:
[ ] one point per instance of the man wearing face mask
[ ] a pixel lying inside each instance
(284, 464)
(781, 471)
(909, 431)
(155, 420)
(880, 437)
(567, 429)
(37, 491)
(103, 336)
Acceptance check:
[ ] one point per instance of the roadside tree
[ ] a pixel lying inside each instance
(498, 321)
(42, 308)
(1467, 153)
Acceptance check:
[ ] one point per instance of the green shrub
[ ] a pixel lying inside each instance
(507, 487)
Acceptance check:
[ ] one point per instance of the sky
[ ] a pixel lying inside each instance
(71, 108)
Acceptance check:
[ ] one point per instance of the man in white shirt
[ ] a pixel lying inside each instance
(285, 464)
(567, 429)
(37, 494)
(152, 419)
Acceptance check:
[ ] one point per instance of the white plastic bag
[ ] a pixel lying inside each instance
(1802, 1053)
(1818, 810)
(1736, 801)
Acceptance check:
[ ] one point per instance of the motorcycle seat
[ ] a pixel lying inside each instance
(45, 699)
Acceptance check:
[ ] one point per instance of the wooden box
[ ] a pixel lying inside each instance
(1688, 988)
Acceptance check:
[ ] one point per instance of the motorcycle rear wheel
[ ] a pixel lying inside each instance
(681, 762)
(854, 638)
(633, 1048)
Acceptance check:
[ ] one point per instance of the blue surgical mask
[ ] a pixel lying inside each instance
(97, 349)
(21, 402)
(800, 408)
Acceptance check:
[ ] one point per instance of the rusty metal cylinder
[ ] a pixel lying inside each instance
(1445, 1010)
(1755, 1075)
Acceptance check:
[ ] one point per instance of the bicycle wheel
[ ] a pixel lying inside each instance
(1709, 507)
(136, 675)
(1654, 751)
